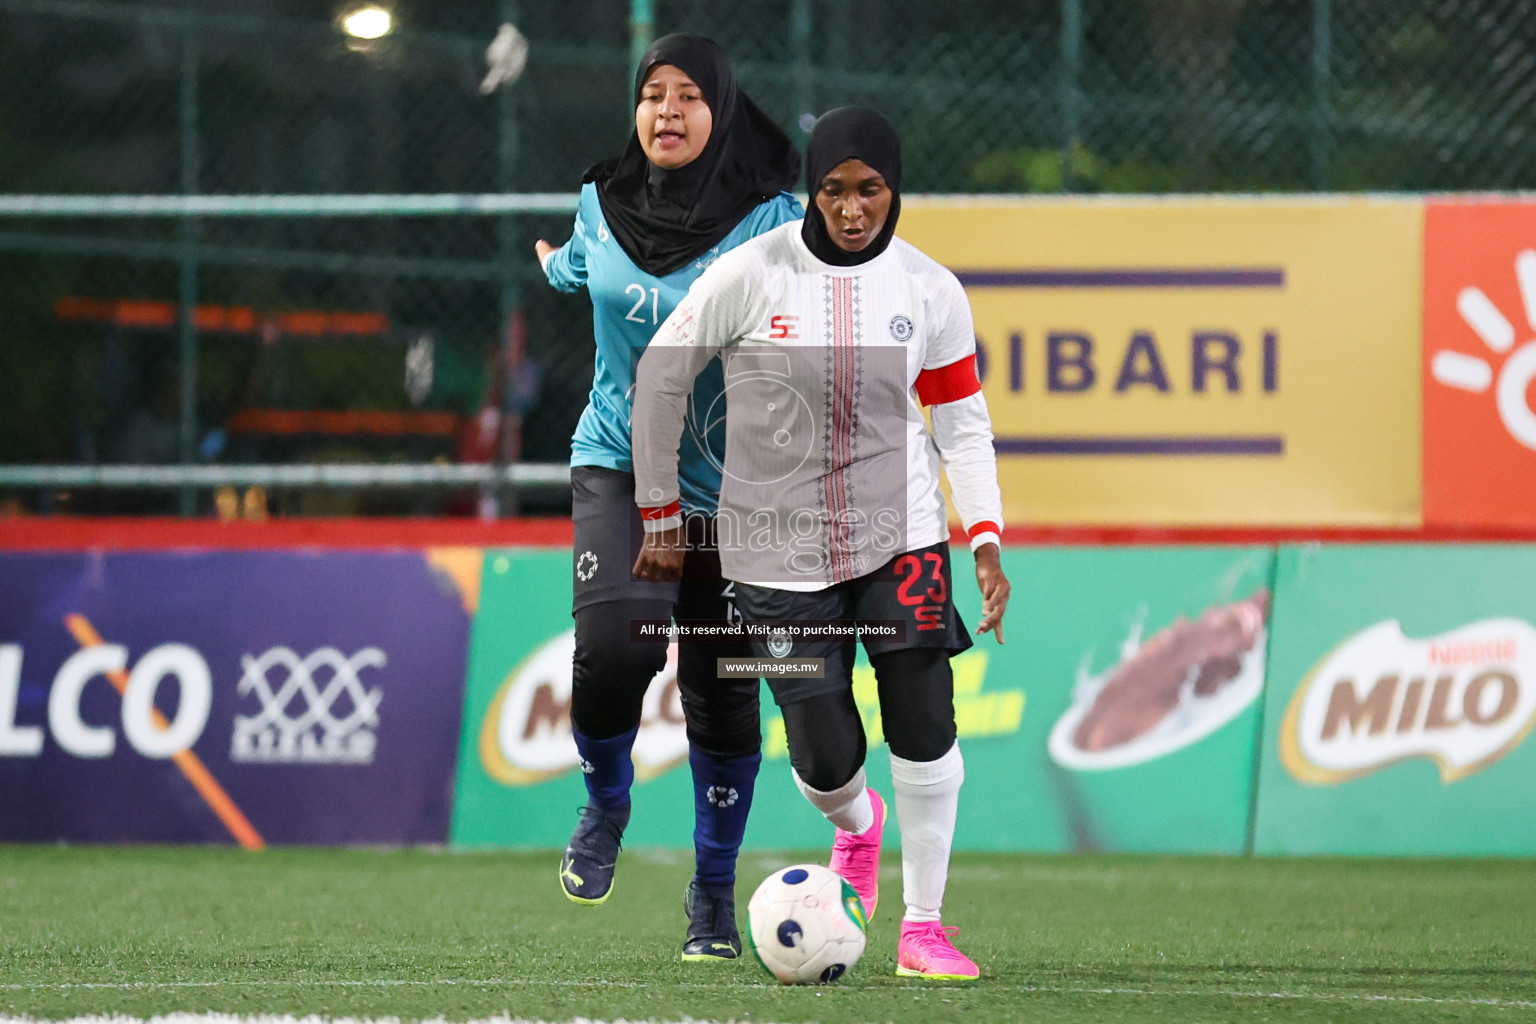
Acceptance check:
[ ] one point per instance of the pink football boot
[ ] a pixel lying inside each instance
(926, 952)
(857, 857)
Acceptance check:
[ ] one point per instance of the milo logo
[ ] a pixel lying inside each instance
(526, 735)
(1463, 700)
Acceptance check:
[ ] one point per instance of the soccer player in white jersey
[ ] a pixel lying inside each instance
(833, 333)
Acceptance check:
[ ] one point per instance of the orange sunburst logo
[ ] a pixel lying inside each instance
(1479, 360)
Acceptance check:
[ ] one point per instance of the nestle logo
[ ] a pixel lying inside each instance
(1481, 653)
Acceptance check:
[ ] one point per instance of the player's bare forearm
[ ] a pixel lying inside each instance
(994, 589)
(661, 556)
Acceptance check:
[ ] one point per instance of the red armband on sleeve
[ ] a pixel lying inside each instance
(949, 383)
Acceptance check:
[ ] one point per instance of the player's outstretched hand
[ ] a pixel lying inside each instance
(544, 249)
(661, 556)
(994, 589)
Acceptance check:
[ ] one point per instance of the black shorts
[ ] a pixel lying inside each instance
(608, 534)
(913, 589)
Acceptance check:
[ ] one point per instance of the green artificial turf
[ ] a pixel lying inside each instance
(415, 935)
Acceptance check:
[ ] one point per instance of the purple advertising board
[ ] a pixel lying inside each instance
(305, 697)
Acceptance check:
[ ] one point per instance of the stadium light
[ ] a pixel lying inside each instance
(367, 21)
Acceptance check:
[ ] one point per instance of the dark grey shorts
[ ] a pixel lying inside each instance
(607, 542)
(913, 589)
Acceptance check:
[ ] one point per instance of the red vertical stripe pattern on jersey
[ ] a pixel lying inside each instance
(841, 425)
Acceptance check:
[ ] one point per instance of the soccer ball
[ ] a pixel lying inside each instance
(805, 925)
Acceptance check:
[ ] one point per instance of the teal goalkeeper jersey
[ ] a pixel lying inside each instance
(628, 305)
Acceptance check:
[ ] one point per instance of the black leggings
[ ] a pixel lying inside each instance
(611, 672)
(917, 708)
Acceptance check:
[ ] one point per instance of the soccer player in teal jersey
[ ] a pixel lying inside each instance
(705, 171)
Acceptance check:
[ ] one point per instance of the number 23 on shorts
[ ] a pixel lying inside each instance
(927, 606)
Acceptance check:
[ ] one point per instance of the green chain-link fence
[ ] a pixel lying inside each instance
(261, 339)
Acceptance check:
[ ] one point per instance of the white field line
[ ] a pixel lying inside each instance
(983, 986)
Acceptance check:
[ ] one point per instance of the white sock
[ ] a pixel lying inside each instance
(927, 796)
(847, 807)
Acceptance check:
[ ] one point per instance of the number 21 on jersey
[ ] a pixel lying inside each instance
(640, 290)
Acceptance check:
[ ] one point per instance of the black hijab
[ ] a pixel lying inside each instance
(850, 133)
(663, 219)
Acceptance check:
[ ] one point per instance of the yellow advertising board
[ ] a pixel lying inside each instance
(1194, 361)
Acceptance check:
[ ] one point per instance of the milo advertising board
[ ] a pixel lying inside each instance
(1402, 692)
(519, 782)
(1120, 714)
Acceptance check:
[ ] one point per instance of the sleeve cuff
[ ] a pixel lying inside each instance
(662, 517)
(985, 532)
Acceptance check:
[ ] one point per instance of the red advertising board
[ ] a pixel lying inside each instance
(1479, 362)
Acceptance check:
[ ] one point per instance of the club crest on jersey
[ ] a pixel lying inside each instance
(901, 329)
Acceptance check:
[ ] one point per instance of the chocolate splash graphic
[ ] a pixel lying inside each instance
(1145, 688)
